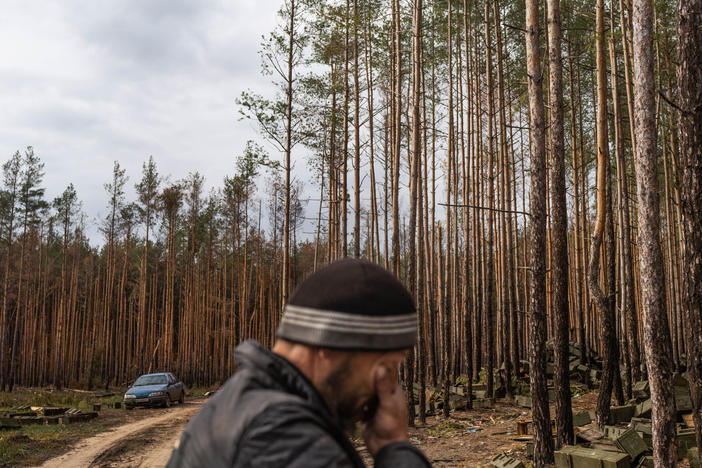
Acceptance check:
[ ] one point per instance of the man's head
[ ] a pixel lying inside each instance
(345, 379)
(345, 326)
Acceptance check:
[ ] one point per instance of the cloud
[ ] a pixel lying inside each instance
(87, 83)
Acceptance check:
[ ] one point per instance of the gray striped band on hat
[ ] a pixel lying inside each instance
(343, 330)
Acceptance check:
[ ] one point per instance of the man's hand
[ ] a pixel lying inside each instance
(390, 421)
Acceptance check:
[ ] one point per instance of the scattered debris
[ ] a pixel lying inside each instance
(627, 440)
(44, 415)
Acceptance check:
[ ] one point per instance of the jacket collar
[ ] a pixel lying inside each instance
(290, 379)
(250, 353)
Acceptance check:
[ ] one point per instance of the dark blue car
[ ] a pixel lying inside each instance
(155, 390)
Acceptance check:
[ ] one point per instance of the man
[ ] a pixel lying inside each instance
(341, 339)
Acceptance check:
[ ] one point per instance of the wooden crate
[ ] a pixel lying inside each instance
(631, 443)
(619, 414)
(505, 461)
(580, 457)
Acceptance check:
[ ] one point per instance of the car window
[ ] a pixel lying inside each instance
(150, 380)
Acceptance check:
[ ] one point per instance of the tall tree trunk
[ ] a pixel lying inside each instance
(489, 299)
(543, 442)
(416, 154)
(601, 298)
(689, 74)
(559, 232)
(356, 140)
(285, 286)
(397, 136)
(509, 309)
(447, 299)
(655, 322)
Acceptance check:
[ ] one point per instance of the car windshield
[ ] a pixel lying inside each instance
(150, 380)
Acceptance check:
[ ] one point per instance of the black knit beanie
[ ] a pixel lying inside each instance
(351, 304)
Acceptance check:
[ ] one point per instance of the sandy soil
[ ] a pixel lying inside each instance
(146, 442)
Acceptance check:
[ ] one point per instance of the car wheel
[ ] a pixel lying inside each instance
(182, 397)
(167, 402)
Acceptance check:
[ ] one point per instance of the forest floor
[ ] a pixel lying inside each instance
(472, 438)
(145, 437)
(115, 435)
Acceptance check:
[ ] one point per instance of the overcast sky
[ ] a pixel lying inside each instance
(89, 82)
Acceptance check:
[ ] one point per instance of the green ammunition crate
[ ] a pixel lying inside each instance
(693, 456)
(484, 403)
(592, 458)
(646, 462)
(641, 425)
(613, 432)
(606, 445)
(505, 461)
(524, 401)
(581, 419)
(685, 440)
(631, 443)
(683, 403)
(562, 456)
(641, 390)
(9, 423)
(643, 409)
(619, 414)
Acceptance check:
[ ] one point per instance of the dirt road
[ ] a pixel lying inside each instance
(145, 443)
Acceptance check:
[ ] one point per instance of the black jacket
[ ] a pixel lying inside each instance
(269, 415)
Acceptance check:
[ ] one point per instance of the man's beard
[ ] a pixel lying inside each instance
(345, 405)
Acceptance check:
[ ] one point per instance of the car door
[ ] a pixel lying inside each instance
(171, 387)
(177, 386)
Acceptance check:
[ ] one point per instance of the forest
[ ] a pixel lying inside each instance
(532, 171)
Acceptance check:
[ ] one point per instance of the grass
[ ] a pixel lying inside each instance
(49, 397)
(446, 427)
(31, 445)
(197, 392)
